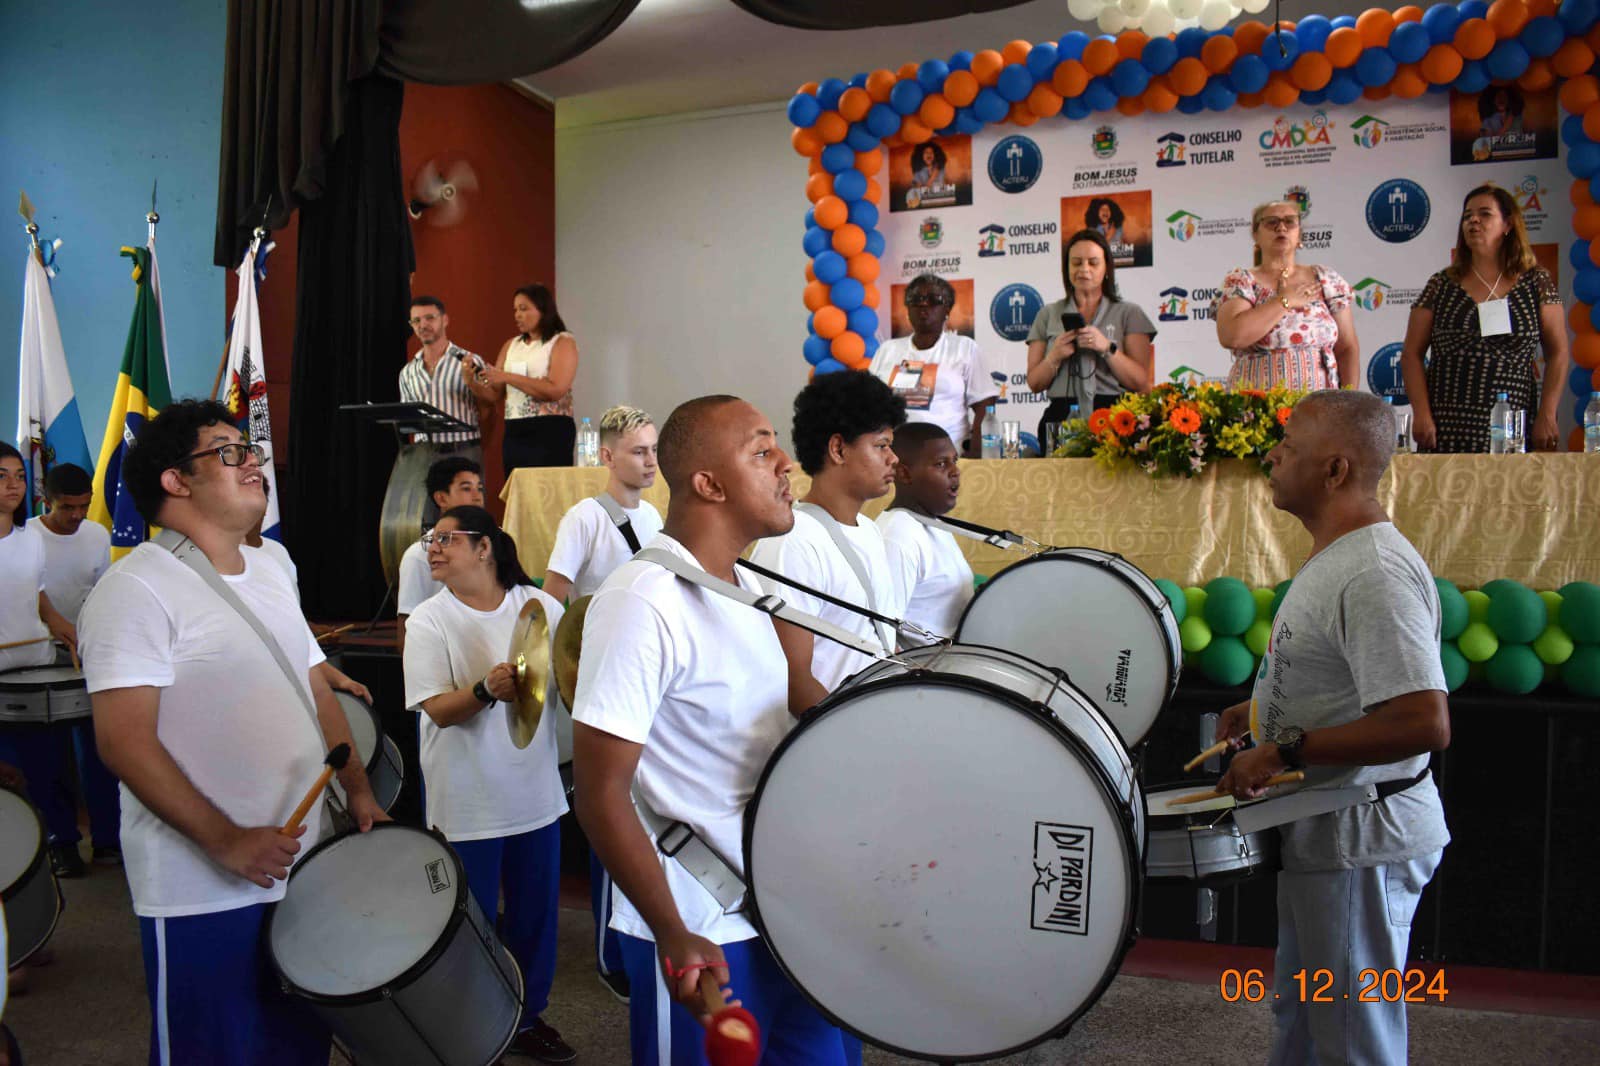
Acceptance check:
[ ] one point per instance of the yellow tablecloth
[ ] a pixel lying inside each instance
(1532, 518)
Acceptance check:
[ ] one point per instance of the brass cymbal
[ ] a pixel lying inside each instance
(569, 645)
(530, 655)
(405, 500)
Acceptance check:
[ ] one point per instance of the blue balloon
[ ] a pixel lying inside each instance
(1594, 311)
(967, 122)
(1437, 90)
(1584, 159)
(1594, 186)
(1100, 95)
(1249, 74)
(850, 184)
(1159, 54)
(817, 351)
(1472, 9)
(1191, 105)
(863, 320)
(931, 74)
(837, 158)
(859, 81)
(1312, 32)
(1015, 83)
(830, 266)
(1076, 109)
(1410, 42)
(876, 243)
(1441, 21)
(1542, 36)
(1279, 50)
(1314, 97)
(1578, 406)
(1578, 15)
(1586, 286)
(1375, 67)
(1341, 21)
(1072, 45)
(811, 217)
(1474, 77)
(906, 96)
(962, 60)
(872, 346)
(831, 365)
(829, 91)
(1217, 95)
(990, 106)
(1129, 77)
(1572, 130)
(1042, 59)
(1507, 61)
(816, 241)
(1581, 382)
(864, 213)
(861, 138)
(1190, 41)
(882, 120)
(1344, 88)
(846, 294)
(1578, 254)
(803, 110)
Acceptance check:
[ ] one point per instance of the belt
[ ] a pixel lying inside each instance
(1399, 785)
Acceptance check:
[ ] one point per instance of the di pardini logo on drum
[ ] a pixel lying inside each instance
(1013, 310)
(1015, 164)
(1398, 210)
(1063, 859)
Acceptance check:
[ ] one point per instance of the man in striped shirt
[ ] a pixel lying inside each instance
(446, 376)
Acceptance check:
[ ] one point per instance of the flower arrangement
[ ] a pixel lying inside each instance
(1178, 429)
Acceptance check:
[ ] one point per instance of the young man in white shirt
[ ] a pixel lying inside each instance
(844, 426)
(682, 694)
(454, 481)
(214, 745)
(936, 576)
(76, 553)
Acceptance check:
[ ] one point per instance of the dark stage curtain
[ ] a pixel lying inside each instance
(864, 14)
(350, 336)
(469, 42)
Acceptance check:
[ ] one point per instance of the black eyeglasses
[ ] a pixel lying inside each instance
(230, 454)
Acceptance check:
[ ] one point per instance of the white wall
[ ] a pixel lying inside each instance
(678, 260)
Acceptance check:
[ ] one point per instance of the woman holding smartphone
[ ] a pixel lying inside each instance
(1092, 346)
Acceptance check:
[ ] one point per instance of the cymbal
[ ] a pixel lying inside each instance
(569, 645)
(405, 501)
(530, 655)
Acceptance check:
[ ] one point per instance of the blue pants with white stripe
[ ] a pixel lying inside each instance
(607, 948)
(662, 1032)
(42, 754)
(214, 999)
(527, 869)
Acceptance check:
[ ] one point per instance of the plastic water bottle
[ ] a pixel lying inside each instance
(1591, 424)
(1402, 425)
(1505, 428)
(991, 434)
(588, 445)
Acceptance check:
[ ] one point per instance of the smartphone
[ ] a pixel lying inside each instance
(1070, 321)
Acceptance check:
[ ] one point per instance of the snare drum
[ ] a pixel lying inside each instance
(385, 769)
(1200, 842)
(28, 888)
(378, 931)
(945, 859)
(39, 695)
(1094, 615)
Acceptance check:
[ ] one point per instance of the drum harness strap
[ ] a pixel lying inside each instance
(1309, 802)
(998, 538)
(857, 565)
(619, 518)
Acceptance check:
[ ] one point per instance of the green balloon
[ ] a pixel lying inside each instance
(1256, 637)
(1196, 598)
(1227, 661)
(1452, 609)
(1478, 643)
(1264, 601)
(1455, 666)
(1175, 598)
(1553, 647)
(1278, 593)
(1515, 669)
(978, 580)
(1582, 671)
(1552, 601)
(1493, 588)
(1229, 607)
(1194, 634)
(1477, 605)
(1516, 613)
(1580, 612)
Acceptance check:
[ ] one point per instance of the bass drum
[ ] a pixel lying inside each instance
(28, 891)
(405, 504)
(1094, 615)
(945, 858)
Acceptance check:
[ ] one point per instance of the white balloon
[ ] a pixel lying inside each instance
(1215, 14)
(1255, 7)
(1112, 20)
(1186, 9)
(1158, 21)
(1134, 9)
(1085, 10)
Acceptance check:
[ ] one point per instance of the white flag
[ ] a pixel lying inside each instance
(49, 429)
(244, 382)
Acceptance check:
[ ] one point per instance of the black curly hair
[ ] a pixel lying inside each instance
(163, 443)
(849, 403)
(939, 158)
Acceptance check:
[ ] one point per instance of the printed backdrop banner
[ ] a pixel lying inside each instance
(1379, 185)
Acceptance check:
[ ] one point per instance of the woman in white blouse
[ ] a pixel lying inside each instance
(534, 373)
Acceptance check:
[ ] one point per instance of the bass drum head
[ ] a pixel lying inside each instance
(34, 678)
(1092, 615)
(21, 840)
(940, 868)
(405, 501)
(363, 910)
(363, 727)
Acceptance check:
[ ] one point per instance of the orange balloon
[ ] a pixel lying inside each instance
(913, 131)
(831, 212)
(1287, 25)
(811, 271)
(874, 191)
(1592, 39)
(818, 186)
(1045, 101)
(1408, 82)
(1100, 55)
(831, 127)
(1311, 72)
(1252, 99)
(1377, 92)
(1016, 52)
(1409, 13)
(1475, 38)
(880, 83)
(849, 239)
(1541, 8)
(1021, 115)
(816, 296)
(1572, 58)
(1280, 90)
(829, 321)
(1579, 94)
(1070, 78)
(1442, 64)
(1130, 106)
(1218, 54)
(871, 298)
(1594, 379)
(864, 268)
(1508, 17)
(1539, 76)
(1187, 76)
(1343, 47)
(1586, 350)
(1130, 43)
(806, 142)
(808, 87)
(936, 112)
(986, 66)
(1594, 257)
(1579, 194)
(907, 72)
(854, 103)
(814, 166)
(961, 88)
(1575, 438)
(1375, 25)
(1159, 97)
(1248, 36)
(847, 347)
(869, 162)
(1578, 318)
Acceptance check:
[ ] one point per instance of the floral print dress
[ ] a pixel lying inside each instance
(1297, 353)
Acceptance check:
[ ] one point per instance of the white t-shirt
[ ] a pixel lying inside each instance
(960, 379)
(72, 564)
(227, 715)
(416, 580)
(589, 546)
(279, 554)
(701, 682)
(479, 785)
(808, 554)
(932, 569)
(21, 580)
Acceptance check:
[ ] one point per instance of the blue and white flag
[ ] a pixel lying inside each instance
(244, 387)
(49, 430)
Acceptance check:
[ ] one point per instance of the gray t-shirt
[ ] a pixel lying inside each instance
(1116, 319)
(1359, 626)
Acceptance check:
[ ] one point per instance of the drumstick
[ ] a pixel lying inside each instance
(1216, 749)
(733, 1038)
(72, 650)
(330, 634)
(24, 643)
(336, 760)
(1213, 793)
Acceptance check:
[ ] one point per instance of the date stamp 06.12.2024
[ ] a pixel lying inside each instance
(1319, 986)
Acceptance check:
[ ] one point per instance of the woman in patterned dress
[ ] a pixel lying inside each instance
(1473, 358)
(1288, 324)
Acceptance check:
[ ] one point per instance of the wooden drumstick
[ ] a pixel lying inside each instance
(1213, 793)
(336, 760)
(24, 643)
(330, 634)
(733, 1038)
(1216, 749)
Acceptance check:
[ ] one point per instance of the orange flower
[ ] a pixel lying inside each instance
(1098, 421)
(1283, 415)
(1124, 423)
(1259, 394)
(1185, 419)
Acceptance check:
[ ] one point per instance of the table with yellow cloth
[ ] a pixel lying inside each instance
(1531, 518)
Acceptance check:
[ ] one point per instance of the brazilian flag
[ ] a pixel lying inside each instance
(142, 391)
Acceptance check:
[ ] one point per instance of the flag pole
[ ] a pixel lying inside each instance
(153, 217)
(25, 209)
(256, 237)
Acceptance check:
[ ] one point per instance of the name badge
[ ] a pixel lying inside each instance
(914, 382)
(1494, 318)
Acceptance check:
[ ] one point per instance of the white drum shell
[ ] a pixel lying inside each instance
(43, 694)
(1204, 846)
(385, 769)
(28, 889)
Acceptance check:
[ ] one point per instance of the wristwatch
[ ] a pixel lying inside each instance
(481, 693)
(1291, 742)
